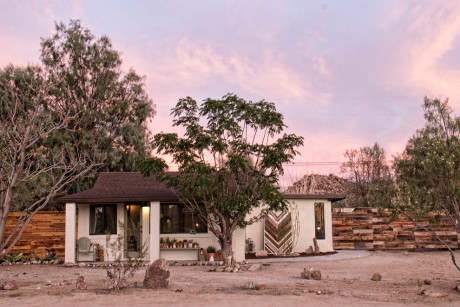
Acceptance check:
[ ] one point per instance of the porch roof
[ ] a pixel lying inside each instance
(119, 187)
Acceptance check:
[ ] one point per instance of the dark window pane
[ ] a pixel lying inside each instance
(320, 232)
(176, 218)
(103, 219)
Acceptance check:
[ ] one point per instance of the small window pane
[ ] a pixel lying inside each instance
(320, 232)
(176, 218)
(103, 219)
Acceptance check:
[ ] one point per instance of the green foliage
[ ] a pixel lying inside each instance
(229, 165)
(12, 258)
(110, 108)
(372, 184)
(428, 171)
(211, 249)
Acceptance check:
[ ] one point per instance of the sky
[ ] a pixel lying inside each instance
(345, 74)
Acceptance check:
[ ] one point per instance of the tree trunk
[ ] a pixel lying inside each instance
(227, 252)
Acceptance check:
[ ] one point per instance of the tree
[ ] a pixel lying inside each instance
(228, 166)
(370, 174)
(25, 125)
(428, 171)
(109, 107)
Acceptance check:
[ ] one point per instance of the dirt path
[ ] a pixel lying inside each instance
(345, 282)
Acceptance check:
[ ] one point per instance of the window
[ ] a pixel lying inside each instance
(320, 232)
(176, 218)
(102, 219)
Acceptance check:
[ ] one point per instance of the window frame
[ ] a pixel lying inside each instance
(181, 221)
(320, 221)
(92, 217)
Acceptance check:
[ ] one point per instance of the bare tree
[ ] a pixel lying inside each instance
(370, 174)
(28, 116)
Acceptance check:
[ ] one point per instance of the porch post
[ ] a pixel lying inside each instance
(154, 243)
(70, 232)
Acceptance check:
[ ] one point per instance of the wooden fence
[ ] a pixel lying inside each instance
(372, 229)
(45, 232)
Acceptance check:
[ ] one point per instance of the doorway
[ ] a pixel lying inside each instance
(133, 229)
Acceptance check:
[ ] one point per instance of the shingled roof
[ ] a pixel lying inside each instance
(118, 187)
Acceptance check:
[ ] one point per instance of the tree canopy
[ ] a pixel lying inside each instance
(370, 174)
(110, 107)
(230, 164)
(428, 171)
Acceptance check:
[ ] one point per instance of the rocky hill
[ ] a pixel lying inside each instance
(320, 184)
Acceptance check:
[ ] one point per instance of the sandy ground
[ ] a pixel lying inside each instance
(345, 282)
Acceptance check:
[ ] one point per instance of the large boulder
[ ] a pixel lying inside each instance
(157, 275)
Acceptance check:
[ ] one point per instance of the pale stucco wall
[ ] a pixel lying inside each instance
(306, 210)
(255, 231)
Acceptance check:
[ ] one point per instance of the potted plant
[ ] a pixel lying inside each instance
(220, 255)
(162, 242)
(173, 243)
(179, 244)
(168, 242)
(211, 250)
(185, 243)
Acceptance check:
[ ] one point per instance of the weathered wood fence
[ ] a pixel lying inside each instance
(45, 232)
(371, 228)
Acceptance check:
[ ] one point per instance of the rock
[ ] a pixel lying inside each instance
(309, 250)
(255, 267)
(261, 286)
(157, 274)
(82, 265)
(9, 285)
(457, 287)
(261, 253)
(311, 273)
(376, 277)
(315, 243)
(228, 269)
(235, 270)
(249, 285)
(427, 282)
(81, 283)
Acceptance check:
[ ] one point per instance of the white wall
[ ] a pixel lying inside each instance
(306, 209)
(83, 230)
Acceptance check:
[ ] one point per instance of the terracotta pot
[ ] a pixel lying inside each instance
(220, 255)
(211, 256)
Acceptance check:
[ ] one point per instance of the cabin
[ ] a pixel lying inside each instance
(169, 229)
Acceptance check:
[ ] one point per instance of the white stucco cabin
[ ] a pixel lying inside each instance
(130, 198)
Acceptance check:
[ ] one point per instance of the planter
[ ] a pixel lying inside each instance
(220, 255)
(211, 256)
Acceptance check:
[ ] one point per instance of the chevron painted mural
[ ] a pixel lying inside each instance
(278, 232)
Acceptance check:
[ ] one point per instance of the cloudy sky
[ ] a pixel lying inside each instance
(344, 73)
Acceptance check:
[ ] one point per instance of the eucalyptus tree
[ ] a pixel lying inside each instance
(229, 160)
(27, 165)
(110, 108)
(428, 171)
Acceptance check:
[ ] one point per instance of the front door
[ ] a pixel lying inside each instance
(133, 229)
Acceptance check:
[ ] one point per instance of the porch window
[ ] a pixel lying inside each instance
(103, 219)
(320, 232)
(177, 218)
